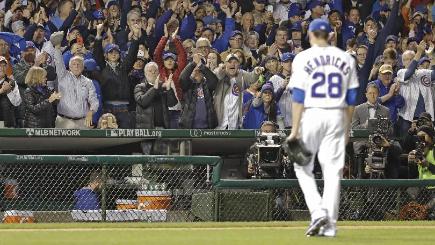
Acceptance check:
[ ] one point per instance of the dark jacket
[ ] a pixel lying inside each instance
(189, 88)
(39, 112)
(145, 94)
(115, 85)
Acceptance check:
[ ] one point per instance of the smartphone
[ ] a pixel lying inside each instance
(24, 2)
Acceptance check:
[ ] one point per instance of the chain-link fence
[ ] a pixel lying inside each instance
(379, 199)
(106, 188)
(174, 189)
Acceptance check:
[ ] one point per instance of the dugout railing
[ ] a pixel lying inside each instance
(43, 188)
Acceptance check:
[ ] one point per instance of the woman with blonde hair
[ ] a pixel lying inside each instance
(39, 100)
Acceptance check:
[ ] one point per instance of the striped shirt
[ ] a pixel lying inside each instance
(78, 94)
(420, 82)
(285, 103)
(231, 118)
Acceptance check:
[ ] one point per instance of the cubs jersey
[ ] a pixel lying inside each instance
(419, 83)
(325, 74)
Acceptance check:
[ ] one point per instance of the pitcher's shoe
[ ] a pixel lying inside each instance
(315, 226)
(328, 230)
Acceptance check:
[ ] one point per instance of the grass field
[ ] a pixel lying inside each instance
(252, 233)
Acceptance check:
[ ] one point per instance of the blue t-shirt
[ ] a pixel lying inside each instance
(86, 199)
(200, 120)
(394, 103)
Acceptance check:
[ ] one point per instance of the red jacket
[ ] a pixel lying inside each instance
(181, 63)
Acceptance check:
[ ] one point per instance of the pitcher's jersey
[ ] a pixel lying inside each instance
(325, 74)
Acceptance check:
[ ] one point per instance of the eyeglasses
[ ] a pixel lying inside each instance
(203, 47)
(237, 39)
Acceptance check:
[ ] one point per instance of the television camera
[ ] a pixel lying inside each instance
(376, 159)
(267, 157)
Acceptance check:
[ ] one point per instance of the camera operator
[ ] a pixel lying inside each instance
(423, 155)
(267, 159)
(409, 141)
(372, 110)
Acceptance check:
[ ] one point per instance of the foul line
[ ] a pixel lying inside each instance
(209, 228)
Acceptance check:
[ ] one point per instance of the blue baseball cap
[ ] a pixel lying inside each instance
(391, 38)
(111, 3)
(91, 65)
(320, 25)
(235, 33)
(297, 26)
(315, 3)
(385, 8)
(169, 55)
(422, 60)
(109, 47)
(287, 56)
(207, 19)
(98, 15)
(294, 10)
(30, 44)
(267, 86)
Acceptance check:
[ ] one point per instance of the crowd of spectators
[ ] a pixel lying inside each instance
(202, 64)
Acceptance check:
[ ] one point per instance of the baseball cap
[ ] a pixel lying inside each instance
(319, 25)
(315, 3)
(428, 130)
(17, 25)
(422, 8)
(111, 3)
(410, 40)
(207, 28)
(235, 33)
(417, 13)
(385, 8)
(169, 55)
(294, 10)
(3, 59)
(231, 57)
(385, 68)
(297, 26)
(391, 38)
(30, 44)
(207, 19)
(422, 60)
(91, 65)
(267, 86)
(270, 57)
(287, 56)
(98, 15)
(261, 1)
(40, 26)
(109, 47)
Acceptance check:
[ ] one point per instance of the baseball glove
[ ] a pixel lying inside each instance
(297, 152)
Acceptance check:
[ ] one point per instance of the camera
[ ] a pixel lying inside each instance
(419, 149)
(268, 158)
(377, 155)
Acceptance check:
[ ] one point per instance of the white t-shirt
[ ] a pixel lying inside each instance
(325, 74)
